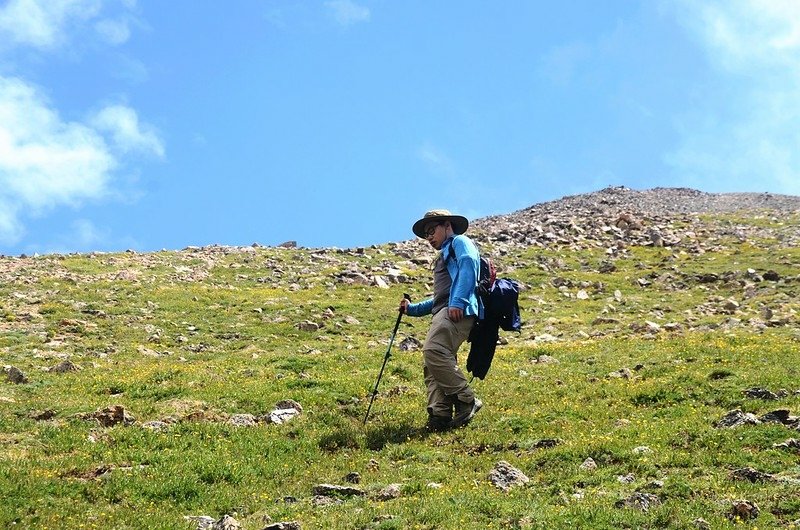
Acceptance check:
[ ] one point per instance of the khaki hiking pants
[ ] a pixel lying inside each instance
(444, 379)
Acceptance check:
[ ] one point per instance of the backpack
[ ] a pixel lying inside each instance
(487, 275)
(499, 297)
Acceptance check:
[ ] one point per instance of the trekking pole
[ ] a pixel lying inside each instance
(386, 358)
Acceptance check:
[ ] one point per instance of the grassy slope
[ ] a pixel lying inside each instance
(224, 327)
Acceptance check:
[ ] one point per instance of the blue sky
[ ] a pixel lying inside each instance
(150, 124)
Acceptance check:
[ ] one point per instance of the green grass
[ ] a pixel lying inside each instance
(197, 336)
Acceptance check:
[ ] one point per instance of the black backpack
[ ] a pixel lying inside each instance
(501, 311)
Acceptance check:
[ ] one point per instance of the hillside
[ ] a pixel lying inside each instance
(655, 383)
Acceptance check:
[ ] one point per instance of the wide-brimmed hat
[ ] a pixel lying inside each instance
(458, 222)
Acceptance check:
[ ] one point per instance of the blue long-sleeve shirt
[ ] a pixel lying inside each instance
(463, 265)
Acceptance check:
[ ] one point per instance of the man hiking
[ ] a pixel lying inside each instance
(455, 308)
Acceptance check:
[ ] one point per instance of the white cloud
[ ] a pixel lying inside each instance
(436, 161)
(127, 133)
(748, 137)
(131, 70)
(742, 34)
(86, 235)
(10, 228)
(114, 32)
(47, 24)
(43, 160)
(347, 12)
(46, 162)
(42, 23)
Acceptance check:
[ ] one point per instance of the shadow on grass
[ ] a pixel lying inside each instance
(377, 439)
(351, 437)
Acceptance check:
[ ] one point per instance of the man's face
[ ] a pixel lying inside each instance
(436, 233)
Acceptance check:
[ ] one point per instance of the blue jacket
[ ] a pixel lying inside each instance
(463, 272)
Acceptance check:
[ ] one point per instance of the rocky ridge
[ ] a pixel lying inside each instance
(655, 217)
(612, 220)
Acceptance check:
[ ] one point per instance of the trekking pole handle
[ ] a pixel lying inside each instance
(406, 296)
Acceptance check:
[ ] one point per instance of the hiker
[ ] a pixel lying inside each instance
(455, 308)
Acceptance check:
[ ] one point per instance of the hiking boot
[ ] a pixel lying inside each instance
(438, 423)
(465, 412)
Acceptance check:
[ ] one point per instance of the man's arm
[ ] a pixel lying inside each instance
(463, 287)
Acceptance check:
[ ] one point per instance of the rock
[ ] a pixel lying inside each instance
(744, 510)
(630, 478)
(588, 465)
(111, 416)
(604, 320)
(782, 416)
(226, 522)
(410, 344)
(656, 239)
(505, 476)
(701, 524)
(332, 490)
(64, 366)
(289, 404)
(353, 321)
(15, 375)
(284, 411)
(791, 443)
(307, 325)
(582, 295)
(147, 351)
(156, 425)
(392, 491)
(735, 418)
(42, 415)
(288, 525)
(243, 420)
(771, 276)
(321, 501)
(642, 450)
(546, 443)
(353, 477)
(652, 327)
(760, 393)
(545, 338)
(730, 306)
(639, 501)
(546, 359)
(622, 373)
(203, 522)
(654, 485)
(607, 267)
(378, 281)
(288, 244)
(749, 474)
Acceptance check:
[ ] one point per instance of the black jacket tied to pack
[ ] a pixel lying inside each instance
(501, 310)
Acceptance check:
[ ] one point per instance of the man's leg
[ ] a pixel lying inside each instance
(441, 362)
(440, 407)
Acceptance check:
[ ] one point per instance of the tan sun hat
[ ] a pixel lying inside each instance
(459, 222)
